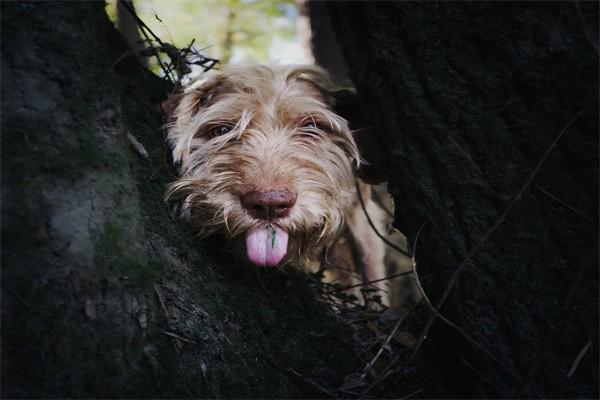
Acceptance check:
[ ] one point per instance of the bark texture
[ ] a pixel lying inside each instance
(103, 295)
(467, 98)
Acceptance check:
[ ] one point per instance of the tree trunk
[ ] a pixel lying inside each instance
(468, 97)
(103, 295)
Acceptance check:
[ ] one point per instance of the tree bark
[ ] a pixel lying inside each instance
(468, 97)
(103, 295)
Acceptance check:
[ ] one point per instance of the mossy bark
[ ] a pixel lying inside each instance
(468, 97)
(103, 295)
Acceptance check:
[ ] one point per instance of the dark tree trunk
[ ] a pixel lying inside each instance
(324, 45)
(102, 294)
(127, 26)
(468, 97)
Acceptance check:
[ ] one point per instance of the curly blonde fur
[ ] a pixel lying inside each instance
(255, 128)
(269, 145)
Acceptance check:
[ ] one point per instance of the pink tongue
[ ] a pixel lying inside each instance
(266, 246)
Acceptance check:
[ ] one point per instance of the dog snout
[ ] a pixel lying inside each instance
(270, 204)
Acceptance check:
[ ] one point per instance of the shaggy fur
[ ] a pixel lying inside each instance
(255, 128)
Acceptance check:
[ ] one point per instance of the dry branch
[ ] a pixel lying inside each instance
(179, 59)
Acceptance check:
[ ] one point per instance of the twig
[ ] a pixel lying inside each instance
(420, 340)
(386, 372)
(434, 311)
(579, 358)
(377, 280)
(307, 380)
(176, 336)
(565, 205)
(362, 203)
(137, 146)
(371, 363)
(414, 265)
(129, 7)
(161, 300)
(145, 30)
(464, 152)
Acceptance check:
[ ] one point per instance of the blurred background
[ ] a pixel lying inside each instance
(262, 31)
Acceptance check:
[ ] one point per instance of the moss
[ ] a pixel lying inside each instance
(116, 252)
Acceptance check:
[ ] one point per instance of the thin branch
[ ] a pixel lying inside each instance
(362, 203)
(161, 300)
(377, 280)
(565, 205)
(447, 321)
(579, 358)
(305, 379)
(371, 363)
(145, 31)
(464, 152)
(387, 371)
(129, 7)
(176, 336)
(414, 266)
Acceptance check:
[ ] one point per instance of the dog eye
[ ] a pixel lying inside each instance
(310, 125)
(221, 130)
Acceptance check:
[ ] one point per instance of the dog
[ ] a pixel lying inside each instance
(267, 158)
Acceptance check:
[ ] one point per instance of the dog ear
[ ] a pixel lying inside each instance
(193, 98)
(371, 145)
(179, 110)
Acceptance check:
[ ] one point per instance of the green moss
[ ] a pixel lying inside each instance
(117, 253)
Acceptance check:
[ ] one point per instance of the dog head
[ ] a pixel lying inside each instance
(263, 159)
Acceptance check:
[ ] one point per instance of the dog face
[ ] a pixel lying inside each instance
(264, 159)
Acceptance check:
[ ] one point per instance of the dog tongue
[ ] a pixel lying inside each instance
(266, 246)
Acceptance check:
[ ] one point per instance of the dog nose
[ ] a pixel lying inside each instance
(269, 205)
